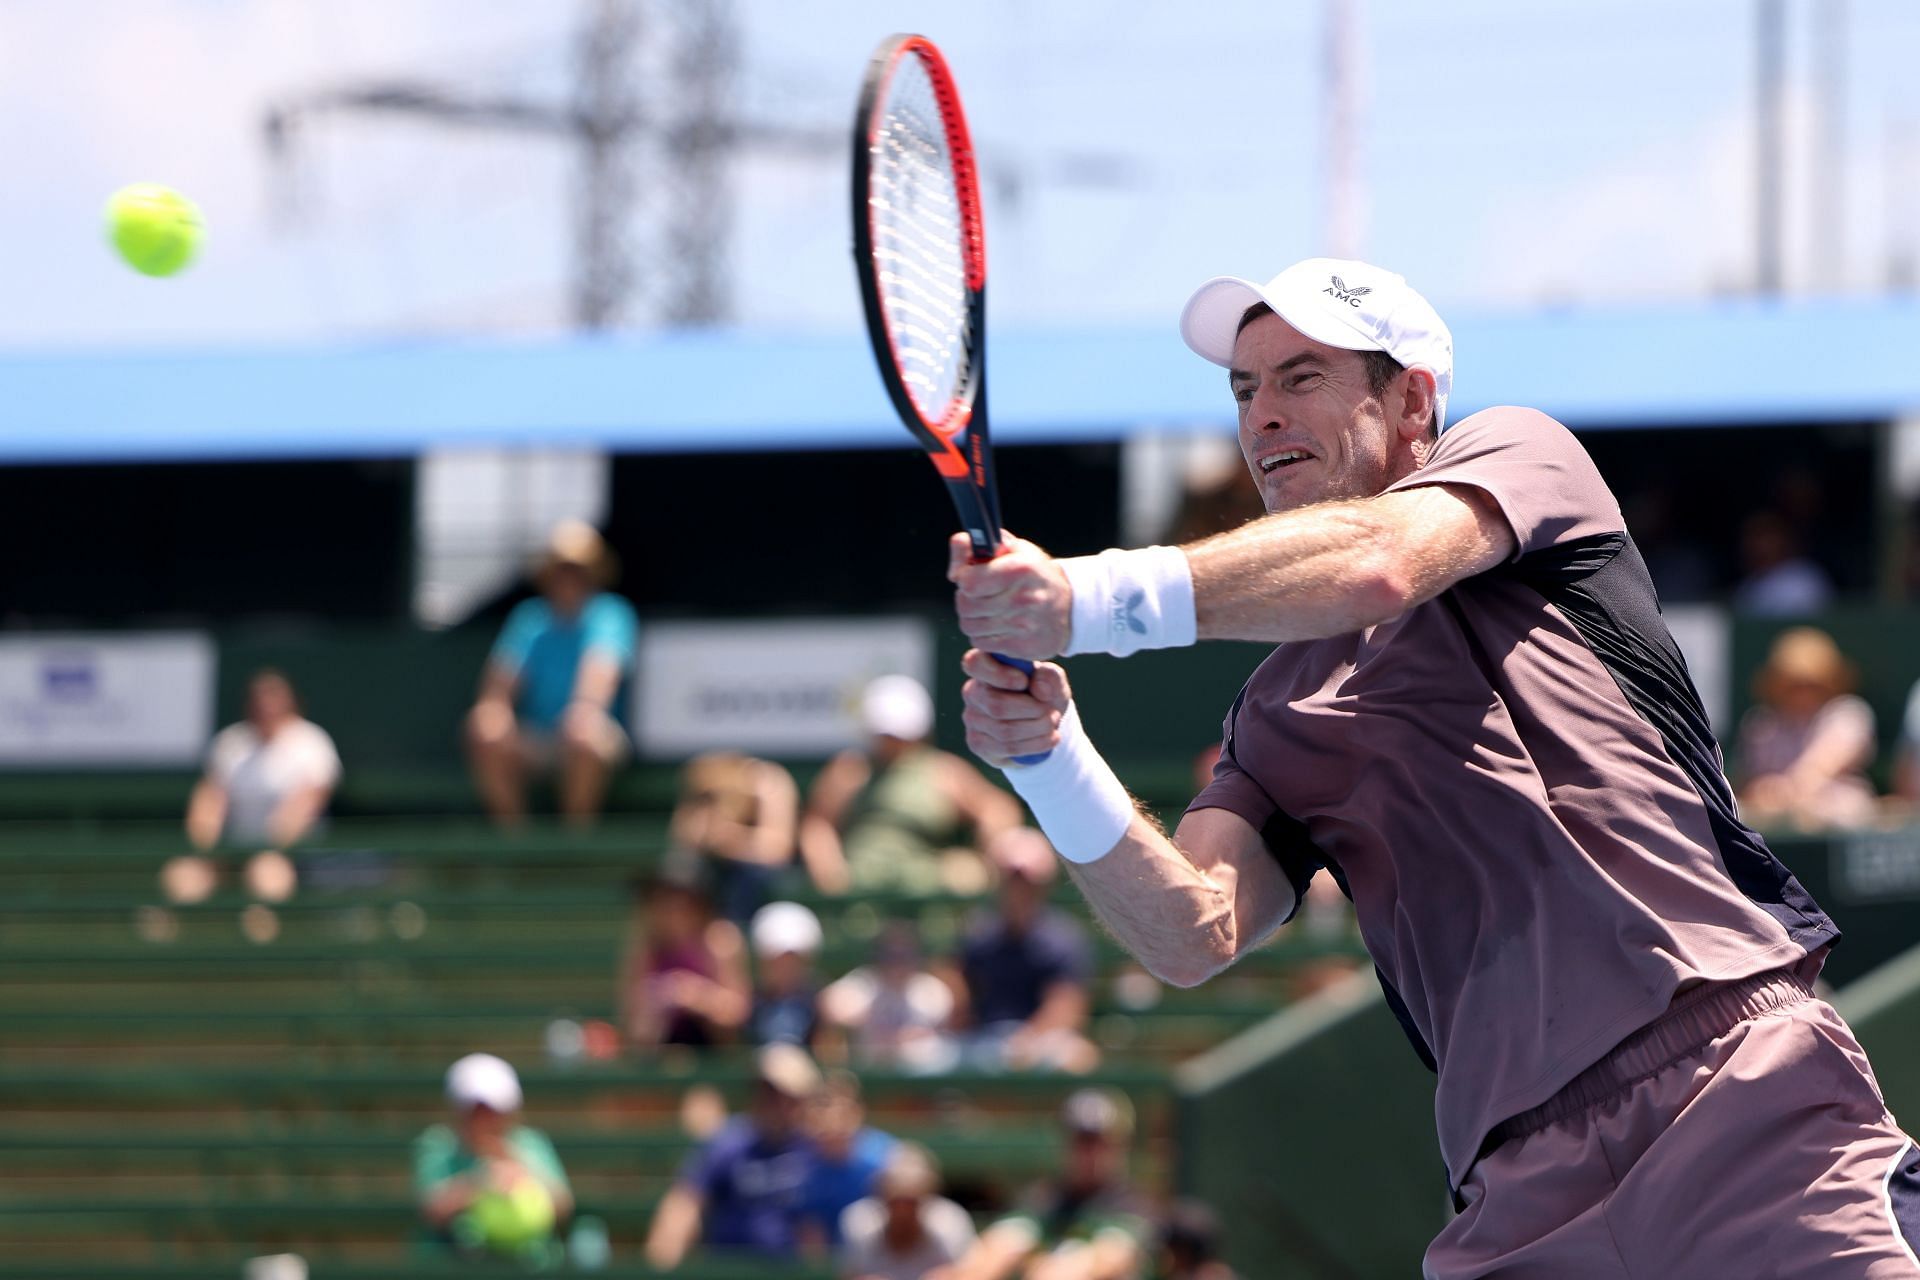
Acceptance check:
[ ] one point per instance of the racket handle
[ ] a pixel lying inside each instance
(1021, 664)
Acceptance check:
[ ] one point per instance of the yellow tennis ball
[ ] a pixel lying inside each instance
(156, 229)
(514, 1220)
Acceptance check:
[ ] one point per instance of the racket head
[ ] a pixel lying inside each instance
(920, 254)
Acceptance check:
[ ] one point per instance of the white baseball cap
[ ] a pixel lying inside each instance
(1337, 301)
(480, 1079)
(897, 707)
(780, 927)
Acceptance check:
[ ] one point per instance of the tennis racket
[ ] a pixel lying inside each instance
(919, 243)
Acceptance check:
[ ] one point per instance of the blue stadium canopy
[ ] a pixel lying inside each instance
(1747, 363)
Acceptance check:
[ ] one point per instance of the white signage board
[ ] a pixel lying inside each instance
(781, 688)
(133, 700)
(1705, 637)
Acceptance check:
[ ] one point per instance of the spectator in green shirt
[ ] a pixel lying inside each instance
(487, 1183)
(1087, 1223)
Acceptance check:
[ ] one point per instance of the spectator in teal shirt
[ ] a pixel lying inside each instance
(487, 1183)
(553, 695)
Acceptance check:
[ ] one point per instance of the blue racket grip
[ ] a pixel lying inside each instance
(1021, 664)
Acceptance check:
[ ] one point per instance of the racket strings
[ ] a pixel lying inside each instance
(918, 228)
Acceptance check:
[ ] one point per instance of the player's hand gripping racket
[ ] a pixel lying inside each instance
(919, 244)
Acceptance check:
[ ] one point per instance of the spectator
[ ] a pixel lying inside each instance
(786, 937)
(487, 1183)
(851, 1157)
(1216, 493)
(1189, 1245)
(1804, 748)
(1781, 581)
(744, 1190)
(906, 1229)
(683, 980)
(743, 816)
(1682, 570)
(1026, 968)
(1087, 1224)
(892, 816)
(267, 784)
(552, 697)
(895, 1010)
(1908, 557)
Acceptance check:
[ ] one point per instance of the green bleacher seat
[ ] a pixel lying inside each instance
(182, 1097)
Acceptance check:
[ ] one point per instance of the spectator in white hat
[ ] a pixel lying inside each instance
(894, 812)
(484, 1150)
(785, 937)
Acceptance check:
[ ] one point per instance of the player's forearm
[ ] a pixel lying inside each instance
(1305, 575)
(1175, 919)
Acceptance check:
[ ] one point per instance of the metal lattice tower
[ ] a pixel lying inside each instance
(651, 78)
(698, 218)
(651, 113)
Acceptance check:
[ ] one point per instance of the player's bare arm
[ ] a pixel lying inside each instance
(1338, 567)
(1186, 907)
(1320, 571)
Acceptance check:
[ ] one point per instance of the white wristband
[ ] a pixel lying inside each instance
(1126, 601)
(1074, 796)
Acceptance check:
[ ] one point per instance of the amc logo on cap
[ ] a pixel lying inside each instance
(1340, 293)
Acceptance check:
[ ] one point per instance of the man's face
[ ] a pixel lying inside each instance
(270, 701)
(786, 971)
(1020, 899)
(1093, 1160)
(1311, 429)
(775, 1114)
(483, 1129)
(834, 1120)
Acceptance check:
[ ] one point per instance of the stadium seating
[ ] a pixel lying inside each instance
(181, 1097)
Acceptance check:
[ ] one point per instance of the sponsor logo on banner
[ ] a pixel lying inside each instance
(1879, 866)
(139, 700)
(784, 688)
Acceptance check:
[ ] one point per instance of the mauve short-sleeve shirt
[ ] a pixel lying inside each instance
(1516, 784)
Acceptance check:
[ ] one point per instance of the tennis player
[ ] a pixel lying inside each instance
(1477, 721)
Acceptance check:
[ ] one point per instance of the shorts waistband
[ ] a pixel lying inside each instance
(1695, 1020)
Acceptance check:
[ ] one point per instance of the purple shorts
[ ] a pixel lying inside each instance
(1740, 1135)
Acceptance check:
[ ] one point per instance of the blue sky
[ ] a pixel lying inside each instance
(1513, 153)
